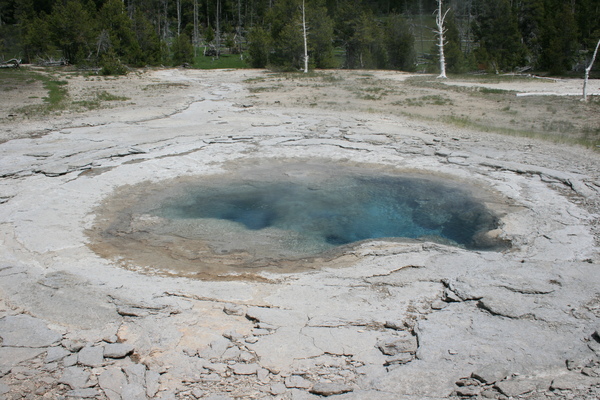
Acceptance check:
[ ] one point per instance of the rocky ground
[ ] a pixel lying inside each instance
(383, 320)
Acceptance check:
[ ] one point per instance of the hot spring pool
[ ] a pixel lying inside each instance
(271, 215)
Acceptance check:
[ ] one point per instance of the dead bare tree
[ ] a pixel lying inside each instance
(102, 42)
(441, 31)
(12, 63)
(588, 70)
(305, 39)
(178, 6)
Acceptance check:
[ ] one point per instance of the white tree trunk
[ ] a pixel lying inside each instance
(439, 20)
(305, 40)
(587, 72)
(178, 5)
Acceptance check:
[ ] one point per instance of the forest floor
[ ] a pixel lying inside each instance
(96, 302)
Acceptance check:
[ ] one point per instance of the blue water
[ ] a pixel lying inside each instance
(341, 210)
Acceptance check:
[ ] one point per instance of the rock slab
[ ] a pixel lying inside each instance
(26, 331)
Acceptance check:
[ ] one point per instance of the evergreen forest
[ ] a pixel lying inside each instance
(553, 36)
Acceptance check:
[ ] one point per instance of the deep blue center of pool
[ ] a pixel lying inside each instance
(342, 211)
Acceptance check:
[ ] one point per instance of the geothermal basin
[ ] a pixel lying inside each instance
(190, 235)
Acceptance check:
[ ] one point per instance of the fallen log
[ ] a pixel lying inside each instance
(12, 63)
(553, 94)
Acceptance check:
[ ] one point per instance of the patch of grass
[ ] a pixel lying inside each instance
(331, 78)
(260, 89)
(255, 80)
(589, 141)
(486, 90)
(168, 85)
(57, 94)
(559, 126)
(99, 97)
(55, 100)
(105, 96)
(435, 100)
(371, 93)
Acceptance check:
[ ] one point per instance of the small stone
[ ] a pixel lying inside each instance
(190, 352)
(50, 367)
(73, 345)
(587, 371)
(83, 393)
(245, 369)
(594, 346)
(468, 391)
(403, 342)
(516, 387)
(490, 394)
(117, 350)
(48, 380)
(490, 374)
(166, 395)
(211, 378)
(396, 325)
(296, 381)
(278, 388)
(247, 357)
(234, 309)
(128, 311)
(152, 383)
(572, 382)
(56, 354)
(263, 325)
(263, 375)
(69, 361)
(232, 353)
(467, 382)
(4, 389)
(330, 389)
(91, 356)
(219, 368)
(451, 297)
(260, 332)
(197, 393)
(215, 349)
(75, 377)
(251, 339)
(112, 382)
(438, 305)
(401, 358)
(134, 392)
(234, 336)
(111, 339)
(136, 374)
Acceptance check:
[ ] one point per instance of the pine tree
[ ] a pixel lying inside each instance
(400, 44)
(71, 29)
(497, 31)
(559, 39)
(113, 19)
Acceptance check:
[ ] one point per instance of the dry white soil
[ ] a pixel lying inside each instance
(380, 320)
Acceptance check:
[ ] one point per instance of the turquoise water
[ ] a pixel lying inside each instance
(339, 210)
